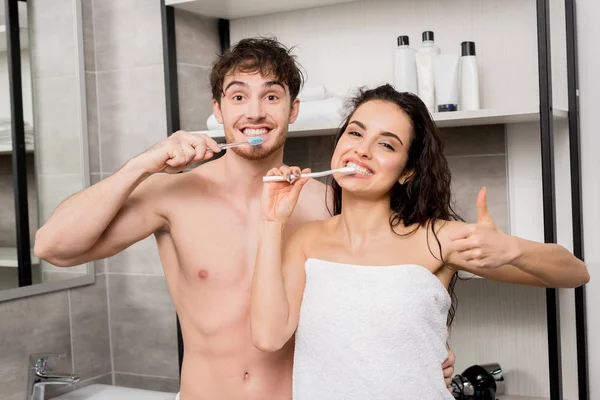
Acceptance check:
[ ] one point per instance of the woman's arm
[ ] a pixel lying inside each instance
(483, 249)
(277, 287)
(278, 281)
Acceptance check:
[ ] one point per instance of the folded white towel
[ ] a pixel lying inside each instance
(323, 111)
(212, 124)
(313, 93)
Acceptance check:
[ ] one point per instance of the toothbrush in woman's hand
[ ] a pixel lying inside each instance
(345, 171)
(252, 141)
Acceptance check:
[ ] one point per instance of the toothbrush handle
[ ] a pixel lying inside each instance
(225, 146)
(279, 178)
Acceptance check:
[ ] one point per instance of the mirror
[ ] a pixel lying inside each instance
(55, 132)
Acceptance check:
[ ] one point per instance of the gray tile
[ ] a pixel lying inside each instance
(53, 40)
(92, 122)
(37, 324)
(195, 97)
(58, 133)
(9, 278)
(160, 384)
(469, 175)
(320, 149)
(89, 329)
(7, 209)
(89, 55)
(132, 114)
(8, 236)
(141, 257)
(197, 38)
(128, 33)
(295, 152)
(474, 140)
(100, 266)
(144, 337)
(52, 276)
(95, 178)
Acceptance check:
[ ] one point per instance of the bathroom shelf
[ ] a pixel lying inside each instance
(443, 120)
(8, 257)
(232, 9)
(7, 148)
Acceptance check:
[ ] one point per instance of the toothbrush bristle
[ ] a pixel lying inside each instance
(253, 141)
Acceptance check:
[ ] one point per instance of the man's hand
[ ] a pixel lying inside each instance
(177, 153)
(448, 367)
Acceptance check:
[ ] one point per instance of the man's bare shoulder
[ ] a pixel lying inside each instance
(314, 201)
(166, 189)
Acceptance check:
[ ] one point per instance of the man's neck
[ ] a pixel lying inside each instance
(246, 175)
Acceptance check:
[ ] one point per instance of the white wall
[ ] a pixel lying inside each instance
(588, 31)
(352, 44)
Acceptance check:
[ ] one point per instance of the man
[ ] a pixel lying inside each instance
(205, 222)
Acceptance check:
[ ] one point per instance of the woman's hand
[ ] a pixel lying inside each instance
(280, 198)
(483, 244)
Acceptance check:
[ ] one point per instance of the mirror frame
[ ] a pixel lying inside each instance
(14, 60)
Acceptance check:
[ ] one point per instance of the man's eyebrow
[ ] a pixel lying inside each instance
(274, 83)
(235, 83)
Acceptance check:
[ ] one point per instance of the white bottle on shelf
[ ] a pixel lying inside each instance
(469, 78)
(424, 60)
(405, 67)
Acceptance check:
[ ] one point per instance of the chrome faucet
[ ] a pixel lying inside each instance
(38, 376)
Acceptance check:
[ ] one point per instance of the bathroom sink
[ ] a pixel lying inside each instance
(107, 392)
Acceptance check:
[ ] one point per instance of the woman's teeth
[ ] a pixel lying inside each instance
(255, 132)
(360, 170)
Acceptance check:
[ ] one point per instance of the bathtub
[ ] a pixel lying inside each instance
(107, 392)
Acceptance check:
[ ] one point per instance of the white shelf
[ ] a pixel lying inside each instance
(511, 397)
(8, 257)
(7, 148)
(443, 120)
(233, 9)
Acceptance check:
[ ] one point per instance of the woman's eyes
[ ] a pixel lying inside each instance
(384, 144)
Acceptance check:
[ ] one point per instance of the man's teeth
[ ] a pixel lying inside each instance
(255, 132)
(359, 169)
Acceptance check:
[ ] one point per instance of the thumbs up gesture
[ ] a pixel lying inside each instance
(483, 244)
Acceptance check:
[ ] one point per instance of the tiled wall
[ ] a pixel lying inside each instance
(127, 115)
(198, 44)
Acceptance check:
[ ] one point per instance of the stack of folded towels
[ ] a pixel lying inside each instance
(6, 133)
(317, 106)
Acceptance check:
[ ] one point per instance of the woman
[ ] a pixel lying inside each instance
(367, 292)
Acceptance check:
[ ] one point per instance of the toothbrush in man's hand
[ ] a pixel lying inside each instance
(252, 141)
(280, 178)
